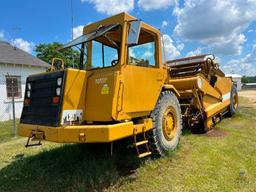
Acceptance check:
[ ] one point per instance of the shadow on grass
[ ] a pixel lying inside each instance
(69, 168)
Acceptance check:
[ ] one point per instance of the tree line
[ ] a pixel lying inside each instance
(246, 79)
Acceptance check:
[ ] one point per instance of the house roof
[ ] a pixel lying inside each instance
(11, 55)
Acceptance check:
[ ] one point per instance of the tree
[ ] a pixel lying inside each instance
(46, 52)
(248, 79)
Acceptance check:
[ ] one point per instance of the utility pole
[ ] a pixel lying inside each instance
(13, 110)
(13, 106)
(72, 26)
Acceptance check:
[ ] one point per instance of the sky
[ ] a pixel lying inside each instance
(189, 27)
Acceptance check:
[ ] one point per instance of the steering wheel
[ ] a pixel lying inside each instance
(114, 62)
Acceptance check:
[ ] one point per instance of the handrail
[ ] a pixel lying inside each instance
(53, 66)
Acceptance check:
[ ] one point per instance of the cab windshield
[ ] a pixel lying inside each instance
(100, 48)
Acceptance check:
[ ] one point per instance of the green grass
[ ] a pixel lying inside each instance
(6, 131)
(201, 163)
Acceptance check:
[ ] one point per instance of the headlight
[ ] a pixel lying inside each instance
(28, 94)
(29, 86)
(59, 81)
(58, 91)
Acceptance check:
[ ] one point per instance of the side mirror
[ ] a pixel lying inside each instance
(134, 32)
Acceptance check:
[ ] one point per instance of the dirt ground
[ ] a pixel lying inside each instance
(249, 94)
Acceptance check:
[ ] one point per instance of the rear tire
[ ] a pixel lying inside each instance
(167, 124)
(233, 101)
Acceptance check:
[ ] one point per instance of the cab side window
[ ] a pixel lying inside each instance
(103, 55)
(144, 53)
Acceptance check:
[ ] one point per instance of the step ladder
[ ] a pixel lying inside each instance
(138, 144)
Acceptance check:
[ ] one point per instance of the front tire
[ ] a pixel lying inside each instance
(167, 124)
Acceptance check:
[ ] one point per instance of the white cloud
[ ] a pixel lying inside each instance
(1, 35)
(164, 24)
(78, 31)
(180, 46)
(228, 45)
(197, 51)
(148, 5)
(147, 55)
(216, 23)
(243, 66)
(111, 7)
(171, 52)
(23, 44)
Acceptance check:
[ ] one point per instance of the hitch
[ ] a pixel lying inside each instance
(35, 135)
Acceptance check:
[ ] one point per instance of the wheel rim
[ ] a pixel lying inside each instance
(169, 123)
(235, 100)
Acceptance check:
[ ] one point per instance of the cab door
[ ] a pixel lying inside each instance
(142, 76)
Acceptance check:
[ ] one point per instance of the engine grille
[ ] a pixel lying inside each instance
(42, 111)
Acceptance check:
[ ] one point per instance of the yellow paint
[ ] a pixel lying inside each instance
(138, 97)
(223, 85)
(75, 90)
(86, 133)
(115, 95)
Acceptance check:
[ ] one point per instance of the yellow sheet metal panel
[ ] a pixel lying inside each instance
(198, 82)
(142, 86)
(51, 133)
(208, 100)
(75, 92)
(223, 85)
(25, 129)
(207, 89)
(216, 108)
(171, 88)
(86, 133)
(187, 83)
(119, 18)
(101, 94)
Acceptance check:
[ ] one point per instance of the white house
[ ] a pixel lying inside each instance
(15, 66)
(237, 80)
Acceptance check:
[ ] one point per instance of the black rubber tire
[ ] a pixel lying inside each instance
(232, 110)
(158, 143)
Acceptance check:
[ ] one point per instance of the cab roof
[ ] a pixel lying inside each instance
(120, 18)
